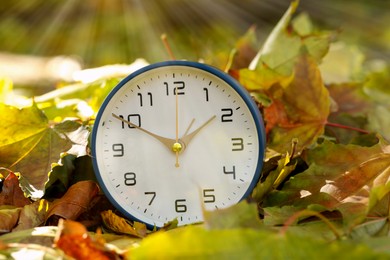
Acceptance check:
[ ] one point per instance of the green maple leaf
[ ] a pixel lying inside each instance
(29, 144)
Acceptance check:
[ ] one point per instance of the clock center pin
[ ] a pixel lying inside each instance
(177, 147)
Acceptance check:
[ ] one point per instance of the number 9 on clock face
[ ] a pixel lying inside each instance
(174, 138)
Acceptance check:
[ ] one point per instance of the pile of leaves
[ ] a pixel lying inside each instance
(324, 190)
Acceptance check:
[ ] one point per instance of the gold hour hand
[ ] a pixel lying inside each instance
(187, 138)
(165, 141)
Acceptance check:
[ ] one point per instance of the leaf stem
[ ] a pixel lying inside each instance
(309, 213)
(164, 39)
(347, 127)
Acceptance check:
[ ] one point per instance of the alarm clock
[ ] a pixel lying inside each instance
(176, 138)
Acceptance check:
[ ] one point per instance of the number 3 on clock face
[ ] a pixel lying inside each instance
(175, 137)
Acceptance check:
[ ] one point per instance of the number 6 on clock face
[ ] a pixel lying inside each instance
(174, 138)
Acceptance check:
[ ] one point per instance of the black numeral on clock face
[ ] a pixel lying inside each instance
(141, 99)
(130, 179)
(208, 196)
(232, 172)
(178, 87)
(153, 194)
(180, 206)
(206, 92)
(227, 114)
(238, 144)
(132, 118)
(118, 149)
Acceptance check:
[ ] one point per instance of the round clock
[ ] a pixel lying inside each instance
(175, 138)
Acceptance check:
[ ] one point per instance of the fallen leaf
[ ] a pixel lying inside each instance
(75, 201)
(302, 24)
(29, 145)
(369, 229)
(39, 235)
(273, 179)
(343, 63)
(241, 215)
(122, 226)
(74, 241)
(195, 242)
(245, 50)
(30, 251)
(9, 218)
(32, 215)
(300, 110)
(286, 41)
(11, 193)
(271, 52)
(376, 88)
(65, 102)
(262, 79)
(338, 178)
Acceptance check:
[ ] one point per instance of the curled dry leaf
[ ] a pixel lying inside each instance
(75, 201)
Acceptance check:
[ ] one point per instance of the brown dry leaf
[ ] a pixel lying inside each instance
(75, 201)
(11, 193)
(122, 226)
(32, 215)
(9, 218)
(74, 241)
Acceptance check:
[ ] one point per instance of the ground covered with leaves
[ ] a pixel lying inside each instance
(324, 191)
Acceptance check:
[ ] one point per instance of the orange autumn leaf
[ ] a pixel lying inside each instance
(75, 242)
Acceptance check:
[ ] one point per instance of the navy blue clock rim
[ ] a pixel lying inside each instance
(201, 66)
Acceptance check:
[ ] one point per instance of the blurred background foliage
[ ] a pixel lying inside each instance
(100, 32)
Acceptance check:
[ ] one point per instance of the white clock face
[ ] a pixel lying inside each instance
(173, 139)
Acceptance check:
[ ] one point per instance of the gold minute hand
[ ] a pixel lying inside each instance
(165, 141)
(187, 138)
